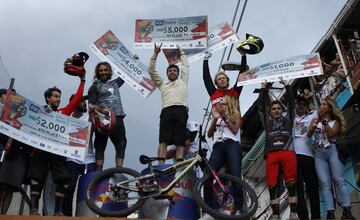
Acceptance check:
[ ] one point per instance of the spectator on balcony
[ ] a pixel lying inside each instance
(355, 48)
(330, 84)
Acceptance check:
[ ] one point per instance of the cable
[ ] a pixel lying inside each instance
(4, 74)
(238, 27)
(207, 115)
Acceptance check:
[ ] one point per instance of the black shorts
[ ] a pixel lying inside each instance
(42, 162)
(14, 168)
(173, 125)
(117, 137)
(13, 172)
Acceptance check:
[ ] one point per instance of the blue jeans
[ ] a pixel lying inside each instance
(328, 165)
(225, 153)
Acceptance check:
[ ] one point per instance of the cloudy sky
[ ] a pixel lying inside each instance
(37, 36)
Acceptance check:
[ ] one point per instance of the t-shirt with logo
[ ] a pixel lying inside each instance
(223, 132)
(107, 95)
(321, 140)
(303, 143)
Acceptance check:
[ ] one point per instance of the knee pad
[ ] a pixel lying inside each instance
(291, 187)
(274, 192)
(62, 188)
(36, 185)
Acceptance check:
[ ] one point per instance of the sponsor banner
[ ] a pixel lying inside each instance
(219, 37)
(109, 48)
(38, 127)
(187, 32)
(290, 68)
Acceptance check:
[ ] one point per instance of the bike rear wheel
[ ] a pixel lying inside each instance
(106, 199)
(238, 201)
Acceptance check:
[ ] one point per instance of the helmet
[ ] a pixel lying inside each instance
(75, 65)
(255, 44)
(104, 122)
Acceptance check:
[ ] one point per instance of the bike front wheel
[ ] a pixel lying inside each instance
(114, 192)
(236, 200)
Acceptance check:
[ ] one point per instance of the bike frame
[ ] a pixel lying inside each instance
(188, 164)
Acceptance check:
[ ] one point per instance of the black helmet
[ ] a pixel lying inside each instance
(255, 44)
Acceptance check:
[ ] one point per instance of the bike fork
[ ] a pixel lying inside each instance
(214, 174)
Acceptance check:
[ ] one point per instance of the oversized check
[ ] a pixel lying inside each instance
(187, 32)
(135, 73)
(220, 36)
(46, 130)
(290, 68)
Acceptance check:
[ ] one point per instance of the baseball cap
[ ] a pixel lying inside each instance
(192, 126)
(84, 98)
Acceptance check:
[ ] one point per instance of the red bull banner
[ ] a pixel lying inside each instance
(82, 208)
(183, 205)
(103, 195)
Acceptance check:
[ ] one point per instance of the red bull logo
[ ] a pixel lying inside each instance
(187, 185)
(103, 198)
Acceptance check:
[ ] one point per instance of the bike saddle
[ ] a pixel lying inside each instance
(146, 160)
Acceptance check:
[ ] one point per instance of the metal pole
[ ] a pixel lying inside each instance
(22, 203)
(342, 62)
(206, 115)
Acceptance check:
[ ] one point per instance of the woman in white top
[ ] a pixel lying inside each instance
(225, 130)
(325, 128)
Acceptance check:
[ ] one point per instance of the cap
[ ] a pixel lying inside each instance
(192, 126)
(84, 98)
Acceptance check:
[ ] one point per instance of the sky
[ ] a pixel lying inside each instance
(37, 36)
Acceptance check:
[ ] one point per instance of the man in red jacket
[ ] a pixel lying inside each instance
(43, 161)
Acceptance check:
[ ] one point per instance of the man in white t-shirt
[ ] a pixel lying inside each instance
(305, 161)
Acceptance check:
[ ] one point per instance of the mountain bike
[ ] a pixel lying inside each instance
(221, 195)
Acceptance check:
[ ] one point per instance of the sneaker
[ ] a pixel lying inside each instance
(293, 216)
(330, 214)
(347, 213)
(34, 211)
(59, 214)
(206, 217)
